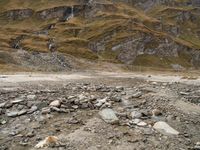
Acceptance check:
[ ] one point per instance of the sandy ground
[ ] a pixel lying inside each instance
(34, 77)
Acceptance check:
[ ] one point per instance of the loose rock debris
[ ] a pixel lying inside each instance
(136, 114)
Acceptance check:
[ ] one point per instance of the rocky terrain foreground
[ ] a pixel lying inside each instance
(59, 35)
(90, 111)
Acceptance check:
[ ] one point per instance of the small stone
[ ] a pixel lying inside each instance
(2, 105)
(109, 116)
(198, 143)
(184, 93)
(100, 102)
(3, 122)
(55, 103)
(16, 101)
(142, 124)
(22, 112)
(12, 114)
(136, 114)
(73, 121)
(135, 121)
(33, 109)
(31, 97)
(75, 106)
(156, 112)
(46, 110)
(137, 95)
(154, 83)
(55, 109)
(164, 128)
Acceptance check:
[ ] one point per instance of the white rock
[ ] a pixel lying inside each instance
(142, 124)
(109, 116)
(55, 103)
(17, 101)
(164, 128)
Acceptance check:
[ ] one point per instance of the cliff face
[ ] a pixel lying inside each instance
(155, 33)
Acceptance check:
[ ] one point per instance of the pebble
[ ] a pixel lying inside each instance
(55, 103)
(16, 101)
(12, 114)
(31, 97)
(135, 121)
(2, 105)
(22, 112)
(142, 124)
(184, 93)
(156, 112)
(136, 114)
(137, 95)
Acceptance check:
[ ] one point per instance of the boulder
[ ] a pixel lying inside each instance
(164, 128)
(109, 116)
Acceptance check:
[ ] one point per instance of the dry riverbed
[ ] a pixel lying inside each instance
(99, 110)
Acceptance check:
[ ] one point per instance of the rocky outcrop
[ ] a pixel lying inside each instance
(18, 14)
(148, 4)
(62, 12)
(130, 48)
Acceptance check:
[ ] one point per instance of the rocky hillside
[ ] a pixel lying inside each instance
(52, 35)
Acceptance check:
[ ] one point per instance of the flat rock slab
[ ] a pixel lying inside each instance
(164, 128)
(109, 116)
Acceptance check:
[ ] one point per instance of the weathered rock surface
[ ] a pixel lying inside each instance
(164, 128)
(109, 116)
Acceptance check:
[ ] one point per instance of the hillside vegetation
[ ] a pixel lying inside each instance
(163, 35)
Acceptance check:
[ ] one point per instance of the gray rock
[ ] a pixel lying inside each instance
(22, 112)
(16, 101)
(184, 93)
(156, 112)
(109, 116)
(33, 109)
(164, 128)
(45, 110)
(137, 95)
(100, 102)
(2, 105)
(12, 114)
(31, 97)
(55, 103)
(136, 114)
(135, 121)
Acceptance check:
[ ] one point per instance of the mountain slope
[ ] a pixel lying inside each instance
(162, 34)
